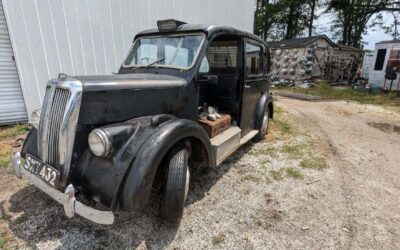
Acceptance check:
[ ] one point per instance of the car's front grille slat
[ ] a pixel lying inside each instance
(56, 114)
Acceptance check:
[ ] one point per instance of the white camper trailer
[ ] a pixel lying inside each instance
(386, 58)
(368, 64)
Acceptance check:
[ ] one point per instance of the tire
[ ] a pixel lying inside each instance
(176, 184)
(263, 131)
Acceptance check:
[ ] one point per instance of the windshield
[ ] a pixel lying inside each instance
(177, 51)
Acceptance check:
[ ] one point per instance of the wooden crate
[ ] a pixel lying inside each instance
(214, 128)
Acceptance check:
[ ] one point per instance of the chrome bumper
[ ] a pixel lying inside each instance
(67, 199)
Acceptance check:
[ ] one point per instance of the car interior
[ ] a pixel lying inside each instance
(219, 74)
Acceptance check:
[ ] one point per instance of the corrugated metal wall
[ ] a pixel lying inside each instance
(79, 37)
(12, 107)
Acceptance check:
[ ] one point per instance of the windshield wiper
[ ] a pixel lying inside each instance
(148, 65)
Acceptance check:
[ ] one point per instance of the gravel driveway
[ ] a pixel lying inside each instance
(323, 178)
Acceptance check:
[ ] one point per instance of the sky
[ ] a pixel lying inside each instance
(371, 38)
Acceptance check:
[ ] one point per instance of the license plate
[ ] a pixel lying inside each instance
(45, 172)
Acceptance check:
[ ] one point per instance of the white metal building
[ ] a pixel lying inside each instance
(386, 57)
(80, 37)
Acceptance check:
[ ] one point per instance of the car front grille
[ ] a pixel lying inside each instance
(58, 122)
(55, 118)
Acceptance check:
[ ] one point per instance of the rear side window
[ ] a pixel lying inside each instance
(222, 54)
(254, 65)
(380, 59)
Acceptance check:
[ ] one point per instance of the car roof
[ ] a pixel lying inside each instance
(211, 30)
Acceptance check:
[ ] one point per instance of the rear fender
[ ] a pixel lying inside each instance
(265, 101)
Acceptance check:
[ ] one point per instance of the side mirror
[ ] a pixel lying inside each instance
(208, 79)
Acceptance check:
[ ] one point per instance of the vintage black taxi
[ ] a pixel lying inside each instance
(104, 138)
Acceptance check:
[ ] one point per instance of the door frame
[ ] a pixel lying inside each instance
(256, 82)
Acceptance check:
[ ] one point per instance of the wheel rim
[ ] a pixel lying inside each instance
(265, 123)
(187, 183)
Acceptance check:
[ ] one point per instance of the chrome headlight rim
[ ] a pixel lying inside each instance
(103, 139)
(35, 118)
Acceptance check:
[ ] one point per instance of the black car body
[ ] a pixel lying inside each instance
(141, 113)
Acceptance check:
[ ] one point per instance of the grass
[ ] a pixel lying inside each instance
(218, 239)
(294, 151)
(264, 151)
(318, 163)
(5, 154)
(21, 219)
(12, 131)
(294, 173)
(6, 135)
(326, 91)
(3, 243)
(280, 174)
(277, 174)
(280, 126)
(252, 178)
(283, 126)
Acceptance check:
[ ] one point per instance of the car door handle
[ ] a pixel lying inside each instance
(247, 86)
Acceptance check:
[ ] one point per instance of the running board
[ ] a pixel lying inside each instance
(250, 135)
(225, 143)
(229, 141)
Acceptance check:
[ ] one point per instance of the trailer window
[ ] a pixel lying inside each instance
(394, 61)
(380, 59)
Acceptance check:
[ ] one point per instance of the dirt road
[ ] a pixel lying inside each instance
(363, 188)
(266, 196)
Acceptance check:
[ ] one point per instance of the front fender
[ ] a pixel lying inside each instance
(30, 145)
(136, 189)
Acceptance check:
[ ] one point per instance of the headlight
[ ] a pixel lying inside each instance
(35, 118)
(99, 143)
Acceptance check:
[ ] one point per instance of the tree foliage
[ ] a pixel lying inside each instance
(283, 19)
(352, 17)
(288, 19)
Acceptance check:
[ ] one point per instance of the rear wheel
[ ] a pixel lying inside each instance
(176, 186)
(263, 131)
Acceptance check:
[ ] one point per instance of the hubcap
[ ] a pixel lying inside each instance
(187, 183)
(264, 126)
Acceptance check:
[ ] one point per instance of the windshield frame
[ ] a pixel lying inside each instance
(198, 51)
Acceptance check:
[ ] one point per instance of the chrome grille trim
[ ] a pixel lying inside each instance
(57, 110)
(56, 135)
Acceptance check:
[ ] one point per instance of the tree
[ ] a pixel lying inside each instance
(312, 5)
(281, 19)
(393, 28)
(352, 17)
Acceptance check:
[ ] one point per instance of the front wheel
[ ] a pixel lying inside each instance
(176, 184)
(263, 131)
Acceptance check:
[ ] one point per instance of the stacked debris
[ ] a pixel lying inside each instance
(303, 84)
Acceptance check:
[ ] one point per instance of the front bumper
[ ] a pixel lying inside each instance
(67, 199)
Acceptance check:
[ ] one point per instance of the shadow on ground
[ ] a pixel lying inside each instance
(44, 225)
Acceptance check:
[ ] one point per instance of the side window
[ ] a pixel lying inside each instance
(222, 55)
(254, 65)
(204, 67)
(380, 59)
